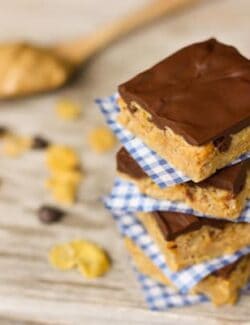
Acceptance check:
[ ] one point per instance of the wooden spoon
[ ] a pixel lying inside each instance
(26, 69)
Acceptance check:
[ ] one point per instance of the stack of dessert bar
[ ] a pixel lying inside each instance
(193, 110)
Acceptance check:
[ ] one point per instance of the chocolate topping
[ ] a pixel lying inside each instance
(201, 92)
(226, 271)
(174, 224)
(127, 165)
(231, 178)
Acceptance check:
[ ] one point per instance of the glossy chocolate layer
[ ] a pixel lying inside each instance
(127, 165)
(226, 271)
(173, 224)
(231, 178)
(201, 92)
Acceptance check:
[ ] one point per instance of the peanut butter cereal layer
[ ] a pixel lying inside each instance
(222, 287)
(186, 240)
(222, 195)
(192, 108)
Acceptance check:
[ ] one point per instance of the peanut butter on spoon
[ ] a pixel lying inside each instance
(27, 69)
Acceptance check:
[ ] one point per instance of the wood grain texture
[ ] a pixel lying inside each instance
(30, 291)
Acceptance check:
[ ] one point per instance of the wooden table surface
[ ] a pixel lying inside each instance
(30, 290)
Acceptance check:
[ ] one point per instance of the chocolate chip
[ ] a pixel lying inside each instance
(223, 143)
(3, 131)
(39, 142)
(49, 214)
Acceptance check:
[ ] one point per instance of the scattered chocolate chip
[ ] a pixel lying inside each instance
(3, 131)
(39, 142)
(223, 143)
(49, 214)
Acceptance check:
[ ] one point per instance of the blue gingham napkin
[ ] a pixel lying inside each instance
(185, 279)
(161, 297)
(125, 197)
(160, 171)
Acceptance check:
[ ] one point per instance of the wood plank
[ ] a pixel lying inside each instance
(30, 291)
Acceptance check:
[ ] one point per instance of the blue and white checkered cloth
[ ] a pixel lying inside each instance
(125, 197)
(157, 168)
(160, 297)
(185, 279)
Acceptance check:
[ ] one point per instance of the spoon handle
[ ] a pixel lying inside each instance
(80, 50)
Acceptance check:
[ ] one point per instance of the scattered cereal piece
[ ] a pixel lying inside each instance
(62, 257)
(63, 192)
(62, 158)
(102, 139)
(39, 143)
(14, 145)
(90, 259)
(64, 165)
(49, 214)
(72, 176)
(68, 110)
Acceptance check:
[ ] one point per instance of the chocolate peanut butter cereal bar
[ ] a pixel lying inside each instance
(185, 240)
(192, 108)
(222, 286)
(223, 195)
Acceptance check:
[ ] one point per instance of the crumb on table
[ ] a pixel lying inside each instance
(62, 257)
(63, 192)
(68, 110)
(61, 158)
(101, 139)
(65, 173)
(15, 145)
(90, 259)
